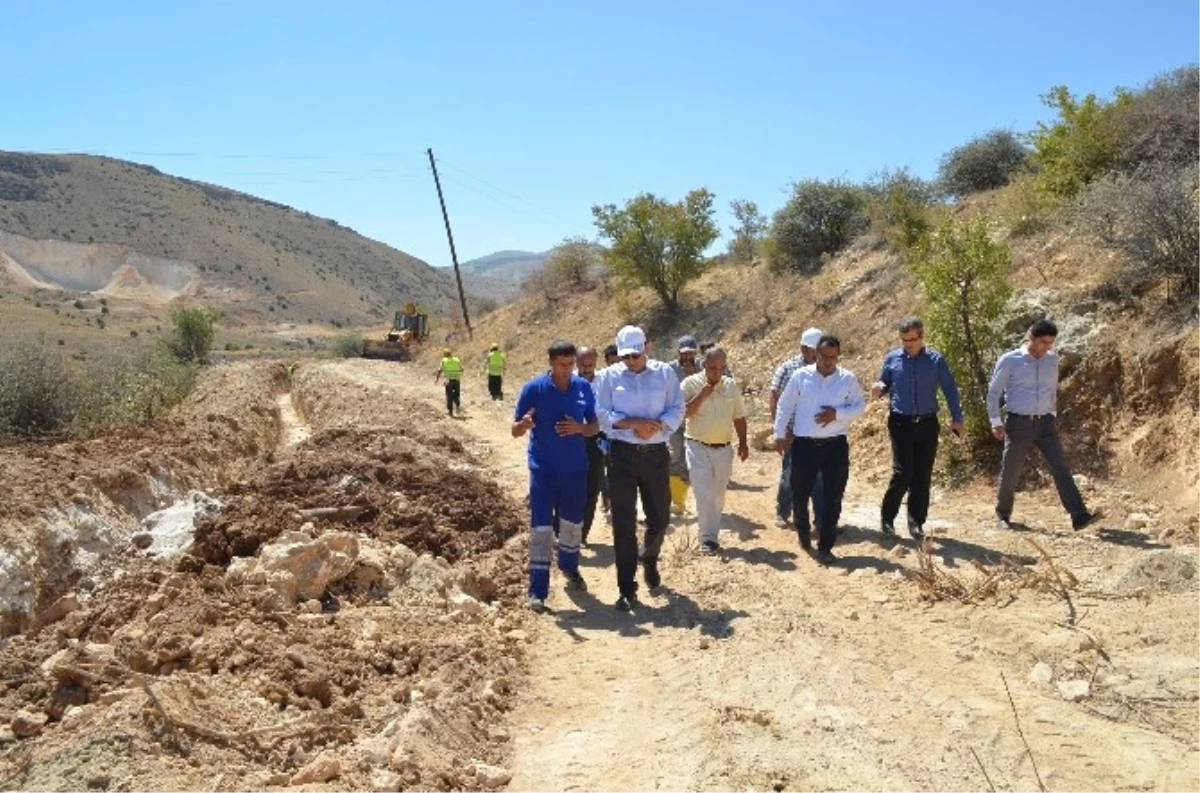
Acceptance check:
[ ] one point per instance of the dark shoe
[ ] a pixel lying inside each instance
(710, 546)
(805, 541)
(1085, 520)
(888, 529)
(916, 531)
(650, 573)
(627, 603)
(575, 581)
(826, 558)
(1003, 522)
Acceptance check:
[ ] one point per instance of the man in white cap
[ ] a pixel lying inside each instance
(639, 404)
(783, 498)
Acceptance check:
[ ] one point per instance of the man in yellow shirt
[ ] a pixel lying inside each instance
(451, 367)
(495, 373)
(715, 410)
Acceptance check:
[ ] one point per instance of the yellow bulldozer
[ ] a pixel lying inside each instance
(409, 328)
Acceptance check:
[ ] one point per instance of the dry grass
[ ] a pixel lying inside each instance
(990, 582)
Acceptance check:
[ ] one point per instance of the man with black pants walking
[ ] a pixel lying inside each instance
(585, 368)
(451, 367)
(783, 498)
(639, 404)
(911, 377)
(1027, 379)
(820, 401)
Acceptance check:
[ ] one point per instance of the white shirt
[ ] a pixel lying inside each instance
(807, 393)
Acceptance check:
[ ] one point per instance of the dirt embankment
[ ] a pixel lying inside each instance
(344, 620)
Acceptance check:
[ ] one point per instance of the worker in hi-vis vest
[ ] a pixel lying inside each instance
(451, 367)
(495, 373)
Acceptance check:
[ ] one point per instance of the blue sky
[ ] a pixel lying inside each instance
(539, 110)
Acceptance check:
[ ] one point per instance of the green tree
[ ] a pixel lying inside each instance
(1083, 144)
(750, 229)
(900, 204)
(573, 262)
(820, 218)
(982, 163)
(964, 275)
(658, 244)
(195, 331)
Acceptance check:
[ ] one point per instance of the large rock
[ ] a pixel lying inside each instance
(322, 769)
(1074, 690)
(299, 567)
(27, 724)
(491, 776)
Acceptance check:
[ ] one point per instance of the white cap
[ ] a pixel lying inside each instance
(811, 338)
(631, 341)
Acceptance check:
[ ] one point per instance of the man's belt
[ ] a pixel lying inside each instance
(915, 419)
(709, 445)
(820, 441)
(641, 447)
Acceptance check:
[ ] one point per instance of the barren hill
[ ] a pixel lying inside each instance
(93, 224)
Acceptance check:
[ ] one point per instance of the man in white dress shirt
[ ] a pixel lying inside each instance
(820, 400)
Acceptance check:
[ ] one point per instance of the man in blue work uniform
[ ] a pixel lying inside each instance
(911, 377)
(639, 404)
(558, 409)
(1026, 379)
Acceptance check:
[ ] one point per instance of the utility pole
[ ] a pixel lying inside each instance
(462, 298)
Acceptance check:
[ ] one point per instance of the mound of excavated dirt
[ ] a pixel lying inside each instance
(346, 618)
(373, 482)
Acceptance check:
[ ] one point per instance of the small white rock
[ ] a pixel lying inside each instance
(491, 775)
(1082, 482)
(1042, 673)
(1074, 690)
(1136, 521)
(385, 781)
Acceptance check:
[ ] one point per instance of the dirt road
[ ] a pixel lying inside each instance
(759, 669)
(755, 669)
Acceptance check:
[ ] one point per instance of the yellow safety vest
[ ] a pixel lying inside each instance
(495, 363)
(452, 367)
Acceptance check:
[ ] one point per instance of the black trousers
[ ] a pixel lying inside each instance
(596, 465)
(914, 446)
(496, 386)
(635, 469)
(452, 396)
(831, 458)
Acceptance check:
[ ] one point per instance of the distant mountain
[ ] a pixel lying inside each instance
(499, 275)
(78, 223)
(510, 266)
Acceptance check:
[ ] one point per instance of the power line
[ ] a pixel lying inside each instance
(518, 210)
(503, 191)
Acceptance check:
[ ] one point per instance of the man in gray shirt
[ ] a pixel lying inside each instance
(1027, 379)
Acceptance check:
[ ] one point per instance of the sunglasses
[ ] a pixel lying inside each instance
(633, 356)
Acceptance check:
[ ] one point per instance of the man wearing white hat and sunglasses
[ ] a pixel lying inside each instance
(783, 500)
(639, 404)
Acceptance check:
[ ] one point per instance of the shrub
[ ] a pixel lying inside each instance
(900, 206)
(820, 218)
(983, 163)
(348, 345)
(749, 232)
(45, 394)
(195, 331)
(1152, 217)
(1082, 145)
(1161, 123)
(964, 276)
(1024, 209)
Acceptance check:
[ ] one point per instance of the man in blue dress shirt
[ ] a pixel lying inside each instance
(558, 409)
(639, 404)
(1027, 380)
(911, 377)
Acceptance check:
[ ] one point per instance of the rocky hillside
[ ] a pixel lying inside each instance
(89, 224)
